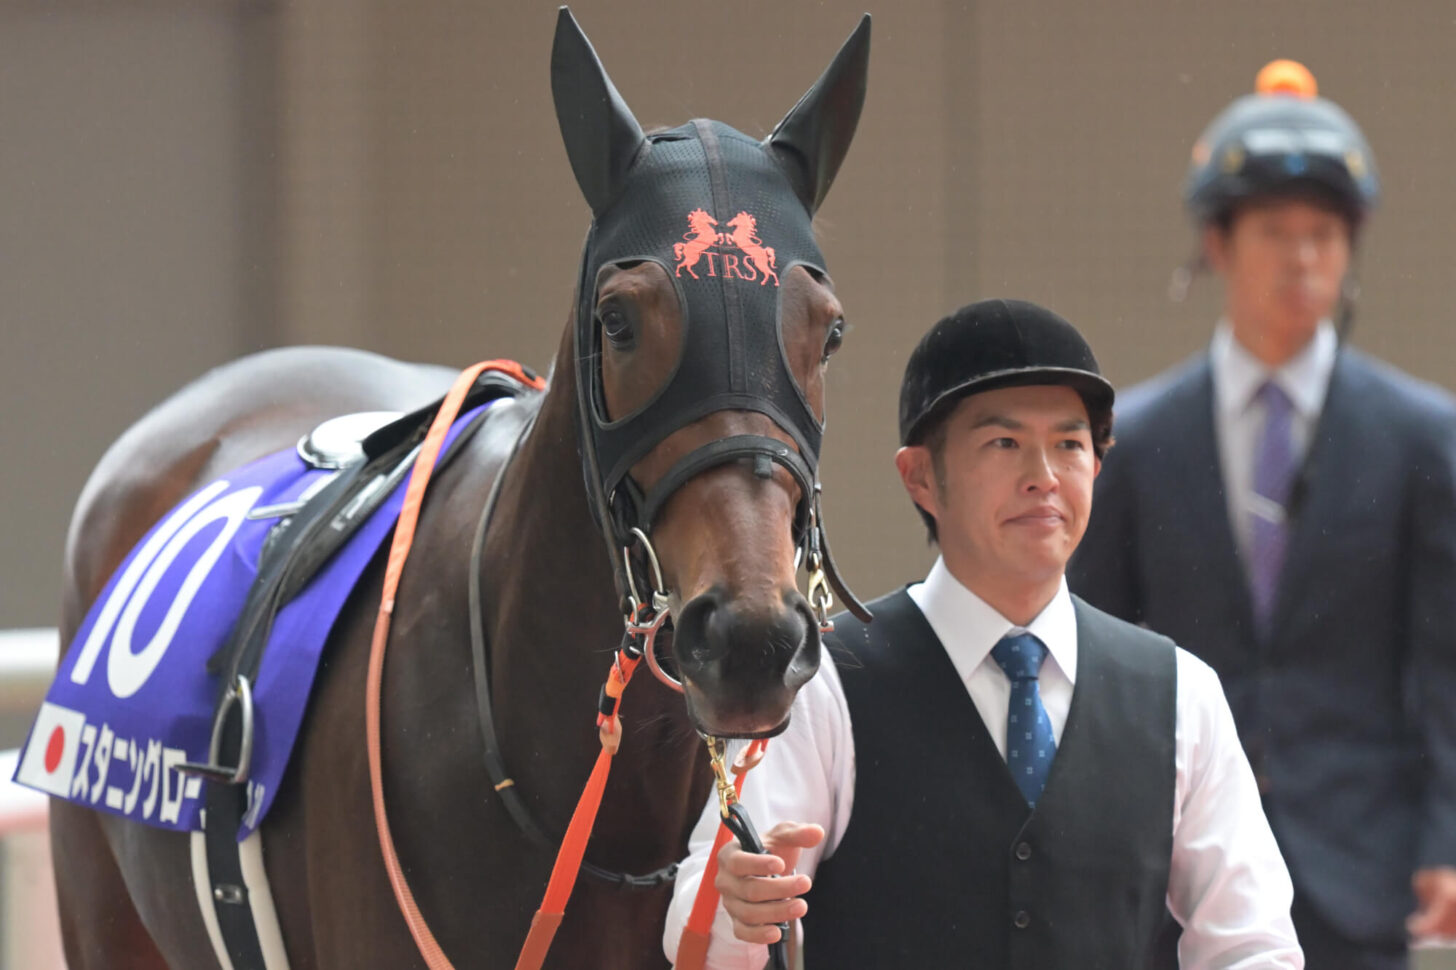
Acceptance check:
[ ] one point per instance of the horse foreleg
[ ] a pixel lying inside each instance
(99, 925)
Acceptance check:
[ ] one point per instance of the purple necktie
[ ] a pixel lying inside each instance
(1274, 466)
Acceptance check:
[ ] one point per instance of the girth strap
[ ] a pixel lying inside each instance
(224, 806)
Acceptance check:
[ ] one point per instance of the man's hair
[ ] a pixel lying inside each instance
(932, 438)
(1310, 192)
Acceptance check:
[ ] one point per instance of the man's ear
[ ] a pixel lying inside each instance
(917, 474)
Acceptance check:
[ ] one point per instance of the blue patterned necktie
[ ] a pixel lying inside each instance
(1030, 744)
(1274, 466)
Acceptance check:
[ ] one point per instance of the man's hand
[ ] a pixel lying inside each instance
(1435, 914)
(755, 891)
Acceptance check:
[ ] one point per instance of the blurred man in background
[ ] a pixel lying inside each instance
(1285, 507)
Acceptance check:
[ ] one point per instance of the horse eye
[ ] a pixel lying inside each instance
(834, 340)
(616, 325)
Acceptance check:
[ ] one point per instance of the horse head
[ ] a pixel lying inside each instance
(701, 397)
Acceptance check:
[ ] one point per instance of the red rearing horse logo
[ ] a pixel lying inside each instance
(702, 235)
(750, 259)
(745, 237)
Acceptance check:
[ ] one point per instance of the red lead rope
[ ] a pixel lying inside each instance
(692, 947)
(573, 846)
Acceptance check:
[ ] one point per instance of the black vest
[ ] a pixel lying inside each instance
(942, 866)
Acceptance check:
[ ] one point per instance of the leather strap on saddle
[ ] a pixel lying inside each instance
(224, 806)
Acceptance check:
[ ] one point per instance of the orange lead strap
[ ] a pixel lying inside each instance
(404, 534)
(573, 846)
(692, 947)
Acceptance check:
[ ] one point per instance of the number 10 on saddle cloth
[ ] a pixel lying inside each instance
(132, 699)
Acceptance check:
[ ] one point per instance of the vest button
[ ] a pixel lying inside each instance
(1023, 851)
(1022, 920)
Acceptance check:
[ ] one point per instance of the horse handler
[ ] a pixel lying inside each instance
(997, 774)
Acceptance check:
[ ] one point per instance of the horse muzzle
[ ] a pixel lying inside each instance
(741, 664)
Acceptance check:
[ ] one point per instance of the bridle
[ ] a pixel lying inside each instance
(644, 189)
(623, 511)
(637, 571)
(645, 617)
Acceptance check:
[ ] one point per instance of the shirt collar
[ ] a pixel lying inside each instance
(968, 626)
(1305, 377)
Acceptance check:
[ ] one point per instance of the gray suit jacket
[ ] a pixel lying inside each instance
(1348, 709)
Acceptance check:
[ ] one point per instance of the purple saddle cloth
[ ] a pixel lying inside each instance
(132, 698)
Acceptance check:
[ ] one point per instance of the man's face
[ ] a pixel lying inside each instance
(1012, 488)
(1282, 262)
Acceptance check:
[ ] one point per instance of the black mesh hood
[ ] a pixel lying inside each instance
(718, 212)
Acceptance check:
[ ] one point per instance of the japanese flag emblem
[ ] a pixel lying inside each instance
(50, 755)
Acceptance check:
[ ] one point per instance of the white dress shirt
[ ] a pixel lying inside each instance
(1227, 883)
(1239, 417)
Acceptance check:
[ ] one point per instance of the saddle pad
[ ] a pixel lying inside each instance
(132, 699)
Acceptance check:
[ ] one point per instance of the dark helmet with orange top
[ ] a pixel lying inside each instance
(1282, 140)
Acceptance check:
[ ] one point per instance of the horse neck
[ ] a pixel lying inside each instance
(552, 621)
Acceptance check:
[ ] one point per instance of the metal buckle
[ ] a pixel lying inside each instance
(648, 633)
(656, 613)
(818, 595)
(717, 760)
(240, 693)
(659, 594)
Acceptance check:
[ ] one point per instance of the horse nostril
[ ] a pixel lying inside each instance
(804, 662)
(692, 641)
(719, 641)
(762, 643)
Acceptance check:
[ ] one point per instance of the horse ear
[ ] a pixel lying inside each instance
(602, 137)
(812, 139)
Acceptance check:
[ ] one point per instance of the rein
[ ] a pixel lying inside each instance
(404, 534)
(500, 778)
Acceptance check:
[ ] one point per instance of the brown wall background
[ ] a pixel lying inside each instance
(182, 182)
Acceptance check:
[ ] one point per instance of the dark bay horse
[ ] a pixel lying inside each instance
(688, 408)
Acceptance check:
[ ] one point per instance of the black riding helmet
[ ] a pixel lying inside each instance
(1282, 140)
(994, 344)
